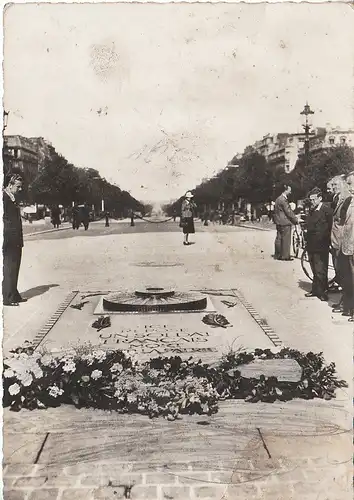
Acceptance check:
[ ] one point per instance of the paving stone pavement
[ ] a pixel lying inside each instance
(303, 478)
(306, 454)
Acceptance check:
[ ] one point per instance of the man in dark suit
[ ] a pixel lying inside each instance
(318, 239)
(12, 241)
(284, 218)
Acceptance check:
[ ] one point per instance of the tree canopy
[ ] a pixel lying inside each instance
(60, 182)
(254, 180)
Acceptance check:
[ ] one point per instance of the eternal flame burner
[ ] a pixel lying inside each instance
(154, 300)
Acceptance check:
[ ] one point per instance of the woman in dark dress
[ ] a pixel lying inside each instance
(187, 223)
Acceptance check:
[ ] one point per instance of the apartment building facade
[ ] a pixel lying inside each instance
(27, 154)
(282, 150)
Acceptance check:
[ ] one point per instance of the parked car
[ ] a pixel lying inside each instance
(81, 215)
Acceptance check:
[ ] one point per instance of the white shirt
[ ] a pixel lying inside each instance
(11, 196)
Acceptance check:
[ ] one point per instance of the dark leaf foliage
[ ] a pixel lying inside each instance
(163, 386)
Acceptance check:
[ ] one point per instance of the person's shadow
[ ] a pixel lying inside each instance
(37, 290)
(305, 285)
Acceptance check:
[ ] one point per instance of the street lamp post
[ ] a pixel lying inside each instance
(306, 126)
(5, 120)
(102, 191)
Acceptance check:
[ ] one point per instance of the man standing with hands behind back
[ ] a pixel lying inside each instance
(12, 241)
(284, 218)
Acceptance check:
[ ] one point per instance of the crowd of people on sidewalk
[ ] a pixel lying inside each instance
(234, 217)
(327, 226)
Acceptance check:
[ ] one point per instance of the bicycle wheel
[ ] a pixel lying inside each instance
(305, 264)
(296, 244)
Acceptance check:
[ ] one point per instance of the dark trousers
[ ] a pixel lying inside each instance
(346, 265)
(319, 265)
(282, 242)
(336, 265)
(12, 261)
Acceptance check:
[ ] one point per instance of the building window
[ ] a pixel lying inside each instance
(331, 140)
(342, 140)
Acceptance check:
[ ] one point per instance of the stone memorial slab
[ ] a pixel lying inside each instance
(286, 370)
(151, 333)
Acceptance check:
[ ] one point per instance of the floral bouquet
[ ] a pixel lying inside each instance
(170, 386)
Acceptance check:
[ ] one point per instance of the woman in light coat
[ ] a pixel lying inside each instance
(187, 212)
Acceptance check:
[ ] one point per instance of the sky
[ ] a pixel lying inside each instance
(157, 97)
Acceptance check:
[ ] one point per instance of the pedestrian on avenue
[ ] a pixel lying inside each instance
(206, 218)
(318, 239)
(84, 215)
(75, 216)
(55, 216)
(284, 218)
(346, 255)
(12, 241)
(106, 216)
(224, 217)
(132, 223)
(187, 212)
(341, 198)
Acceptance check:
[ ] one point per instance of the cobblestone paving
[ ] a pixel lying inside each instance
(307, 479)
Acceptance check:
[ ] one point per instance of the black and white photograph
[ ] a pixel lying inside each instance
(178, 251)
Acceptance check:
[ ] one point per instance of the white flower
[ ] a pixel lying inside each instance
(119, 395)
(8, 373)
(69, 366)
(14, 389)
(24, 366)
(89, 358)
(26, 379)
(47, 360)
(99, 355)
(66, 359)
(96, 374)
(54, 391)
(85, 378)
(37, 371)
(117, 367)
(131, 398)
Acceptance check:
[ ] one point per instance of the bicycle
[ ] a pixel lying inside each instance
(298, 240)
